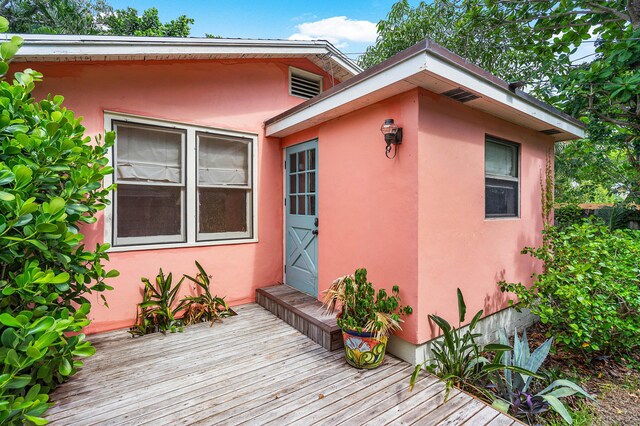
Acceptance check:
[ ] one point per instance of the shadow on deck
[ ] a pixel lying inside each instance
(250, 369)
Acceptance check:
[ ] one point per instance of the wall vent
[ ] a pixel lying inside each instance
(304, 84)
(550, 131)
(460, 95)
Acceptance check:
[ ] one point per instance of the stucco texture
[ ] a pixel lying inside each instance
(418, 220)
(232, 94)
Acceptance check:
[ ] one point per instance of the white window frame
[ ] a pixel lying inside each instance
(306, 74)
(518, 150)
(190, 171)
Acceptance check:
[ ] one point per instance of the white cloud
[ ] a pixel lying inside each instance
(338, 30)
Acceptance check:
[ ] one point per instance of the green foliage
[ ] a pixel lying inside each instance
(567, 215)
(54, 16)
(589, 294)
(456, 357)
(160, 309)
(361, 309)
(156, 312)
(512, 387)
(204, 306)
(128, 22)
(605, 90)
(50, 184)
(471, 28)
(89, 17)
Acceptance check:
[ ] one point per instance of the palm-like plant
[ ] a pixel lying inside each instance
(205, 306)
(363, 310)
(157, 312)
(457, 358)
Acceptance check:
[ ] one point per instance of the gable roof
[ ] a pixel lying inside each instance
(430, 66)
(46, 47)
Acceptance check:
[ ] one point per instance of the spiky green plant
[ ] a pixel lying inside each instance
(456, 357)
(156, 312)
(512, 386)
(205, 306)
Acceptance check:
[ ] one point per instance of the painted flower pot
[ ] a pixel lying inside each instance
(363, 350)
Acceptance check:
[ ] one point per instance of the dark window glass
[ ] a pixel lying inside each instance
(223, 210)
(501, 198)
(502, 180)
(144, 210)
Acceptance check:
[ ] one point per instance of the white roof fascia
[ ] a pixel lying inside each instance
(61, 46)
(419, 66)
(363, 88)
(463, 77)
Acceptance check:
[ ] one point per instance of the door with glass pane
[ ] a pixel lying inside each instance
(301, 218)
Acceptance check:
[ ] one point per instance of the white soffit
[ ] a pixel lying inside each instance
(60, 48)
(427, 70)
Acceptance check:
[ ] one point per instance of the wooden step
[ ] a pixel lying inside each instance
(303, 312)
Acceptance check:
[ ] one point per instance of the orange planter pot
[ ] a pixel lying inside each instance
(363, 350)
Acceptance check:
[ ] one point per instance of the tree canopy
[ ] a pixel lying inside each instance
(536, 42)
(88, 17)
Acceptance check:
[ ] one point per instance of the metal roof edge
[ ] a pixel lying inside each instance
(104, 41)
(428, 47)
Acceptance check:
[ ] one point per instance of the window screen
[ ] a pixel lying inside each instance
(224, 187)
(502, 178)
(150, 195)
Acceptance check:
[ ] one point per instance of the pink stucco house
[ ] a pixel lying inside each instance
(264, 160)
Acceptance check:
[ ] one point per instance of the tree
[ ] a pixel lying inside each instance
(473, 29)
(128, 22)
(54, 16)
(88, 17)
(605, 91)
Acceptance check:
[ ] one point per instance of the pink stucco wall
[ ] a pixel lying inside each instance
(367, 204)
(458, 246)
(418, 220)
(231, 94)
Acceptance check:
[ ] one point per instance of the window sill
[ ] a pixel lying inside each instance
(142, 247)
(491, 219)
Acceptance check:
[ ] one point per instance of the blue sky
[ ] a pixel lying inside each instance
(350, 25)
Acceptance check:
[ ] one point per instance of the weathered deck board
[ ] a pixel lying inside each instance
(250, 369)
(302, 312)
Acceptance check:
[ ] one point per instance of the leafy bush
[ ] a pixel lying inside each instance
(512, 386)
(589, 294)
(50, 183)
(361, 309)
(457, 358)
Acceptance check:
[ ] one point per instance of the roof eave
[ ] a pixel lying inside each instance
(420, 66)
(39, 47)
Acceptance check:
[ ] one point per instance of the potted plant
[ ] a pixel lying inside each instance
(366, 318)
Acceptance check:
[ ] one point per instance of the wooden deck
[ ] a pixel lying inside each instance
(251, 369)
(302, 312)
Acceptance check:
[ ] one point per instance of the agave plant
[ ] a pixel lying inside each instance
(205, 306)
(157, 312)
(456, 357)
(512, 386)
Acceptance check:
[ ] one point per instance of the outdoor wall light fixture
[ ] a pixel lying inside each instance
(392, 136)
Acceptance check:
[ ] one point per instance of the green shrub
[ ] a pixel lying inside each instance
(363, 310)
(589, 294)
(50, 184)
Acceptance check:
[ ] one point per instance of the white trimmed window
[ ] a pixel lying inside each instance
(502, 178)
(180, 184)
